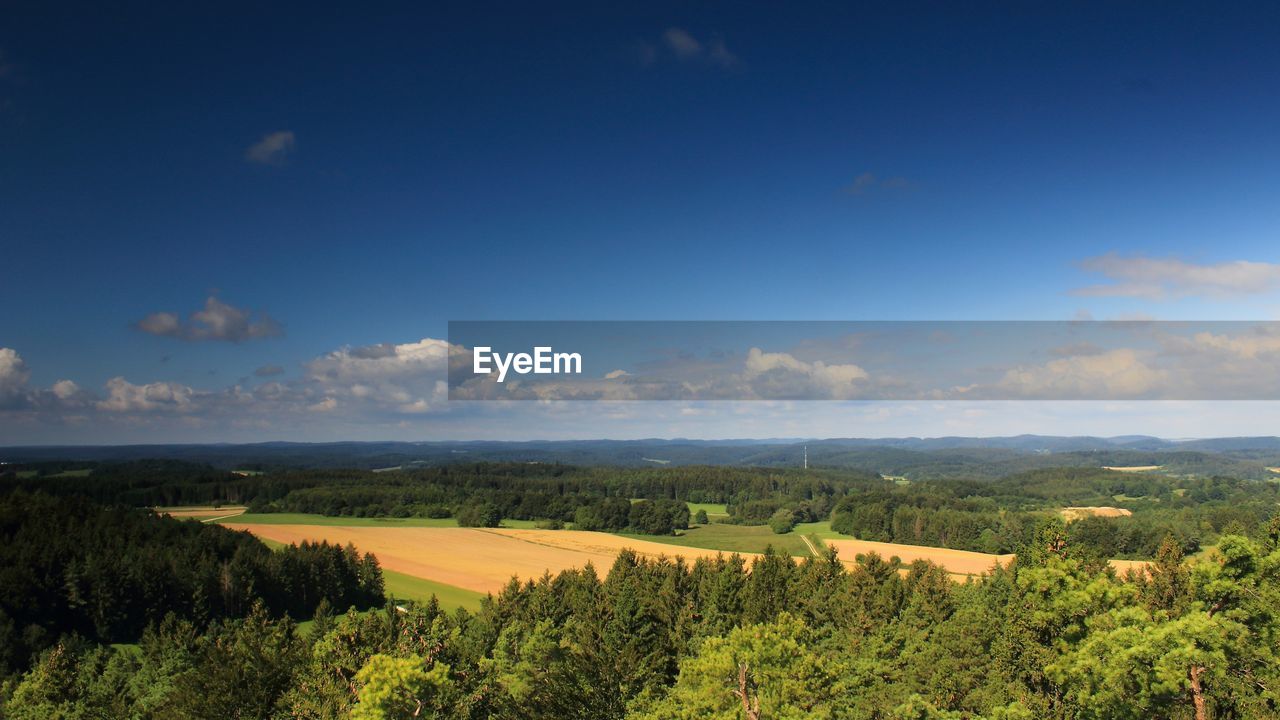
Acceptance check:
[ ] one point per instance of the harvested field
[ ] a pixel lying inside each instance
(202, 513)
(476, 559)
(484, 560)
(956, 562)
(1132, 468)
(1124, 566)
(1075, 513)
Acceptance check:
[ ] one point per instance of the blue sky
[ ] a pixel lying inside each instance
(356, 179)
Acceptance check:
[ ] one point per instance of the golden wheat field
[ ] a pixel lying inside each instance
(484, 560)
(477, 559)
(956, 562)
(1075, 513)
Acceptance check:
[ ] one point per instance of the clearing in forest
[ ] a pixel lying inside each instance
(1075, 513)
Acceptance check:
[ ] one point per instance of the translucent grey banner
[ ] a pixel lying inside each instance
(864, 360)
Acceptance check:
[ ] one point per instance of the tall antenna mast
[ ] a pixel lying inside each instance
(806, 457)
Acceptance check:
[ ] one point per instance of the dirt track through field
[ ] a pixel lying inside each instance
(813, 549)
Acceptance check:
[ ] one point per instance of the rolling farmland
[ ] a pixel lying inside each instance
(484, 560)
(476, 559)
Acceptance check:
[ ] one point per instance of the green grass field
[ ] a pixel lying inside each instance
(451, 598)
(731, 538)
(307, 519)
(714, 510)
(819, 531)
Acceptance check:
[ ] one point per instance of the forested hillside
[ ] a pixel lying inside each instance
(1247, 457)
(69, 567)
(986, 513)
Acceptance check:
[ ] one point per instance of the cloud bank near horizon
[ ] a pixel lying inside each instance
(400, 391)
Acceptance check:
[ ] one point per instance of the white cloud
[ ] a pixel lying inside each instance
(1118, 373)
(14, 377)
(273, 149)
(326, 405)
(406, 377)
(782, 375)
(124, 396)
(161, 323)
(1248, 347)
(1164, 278)
(216, 321)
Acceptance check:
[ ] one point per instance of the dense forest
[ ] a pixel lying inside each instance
(987, 514)
(1056, 635)
(113, 611)
(105, 574)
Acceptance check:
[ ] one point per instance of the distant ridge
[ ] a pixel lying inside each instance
(951, 456)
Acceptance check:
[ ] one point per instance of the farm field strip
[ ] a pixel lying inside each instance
(205, 513)
(474, 559)
(956, 562)
(485, 560)
(1075, 513)
(349, 521)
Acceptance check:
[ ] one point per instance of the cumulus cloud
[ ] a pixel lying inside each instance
(273, 149)
(682, 45)
(782, 375)
(216, 321)
(14, 377)
(1165, 278)
(17, 394)
(124, 396)
(407, 377)
(326, 405)
(1120, 373)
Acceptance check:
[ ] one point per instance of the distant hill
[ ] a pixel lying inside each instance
(914, 457)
